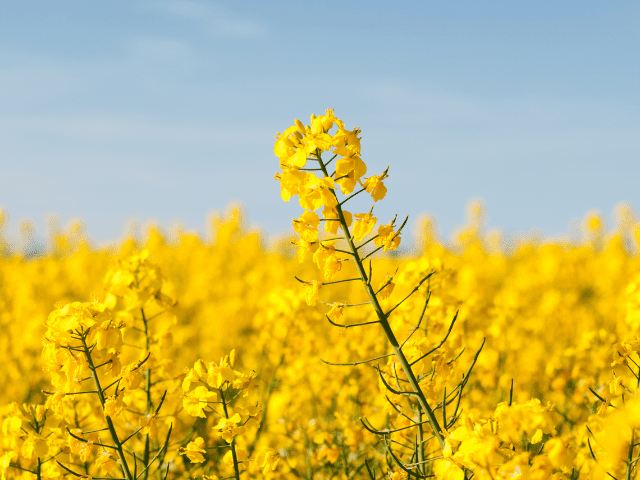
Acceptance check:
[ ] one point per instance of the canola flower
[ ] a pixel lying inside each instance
(551, 395)
(294, 147)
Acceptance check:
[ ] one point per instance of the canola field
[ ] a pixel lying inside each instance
(333, 358)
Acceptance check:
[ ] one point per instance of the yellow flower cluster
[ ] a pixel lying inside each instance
(294, 147)
(116, 405)
(220, 385)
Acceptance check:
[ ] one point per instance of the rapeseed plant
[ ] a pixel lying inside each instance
(299, 144)
(104, 417)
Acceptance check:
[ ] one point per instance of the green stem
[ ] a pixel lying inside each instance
(236, 468)
(100, 392)
(420, 441)
(384, 322)
(630, 458)
(147, 388)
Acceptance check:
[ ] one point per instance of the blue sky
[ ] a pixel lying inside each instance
(166, 111)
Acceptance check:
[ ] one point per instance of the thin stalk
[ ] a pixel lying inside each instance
(630, 458)
(233, 441)
(437, 430)
(147, 388)
(112, 428)
(420, 445)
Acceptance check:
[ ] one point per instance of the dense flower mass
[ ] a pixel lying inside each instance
(480, 358)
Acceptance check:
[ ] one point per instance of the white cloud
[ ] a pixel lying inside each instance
(218, 22)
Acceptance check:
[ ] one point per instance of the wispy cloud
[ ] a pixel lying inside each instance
(218, 22)
(119, 129)
(160, 47)
(495, 127)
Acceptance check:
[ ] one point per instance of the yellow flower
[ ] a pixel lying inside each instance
(323, 123)
(331, 224)
(331, 454)
(78, 447)
(290, 182)
(194, 450)
(196, 401)
(55, 402)
(387, 238)
(219, 374)
(529, 420)
(561, 457)
(107, 463)
(5, 462)
(119, 281)
(363, 225)
(33, 447)
(336, 311)
(75, 367)
(348, 172)
(113, 406)
(53, 357)
(375, 187)
(284, 146)
(604, 406)
(388, 285)
(108, 338)
(11, 425)
(252, 412)
(347, 142)
(193, 374)
(229, 427)
(622, 352)
(148, 425)
(615, 386)
(304, 248)
(327, 260)
(241, 456)
(62, 322)
(307, 226)
(311, 292)
(291, 148)
(398, 475)
(321, 141)
(131, 376)
(267, 460)
(317, 192)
